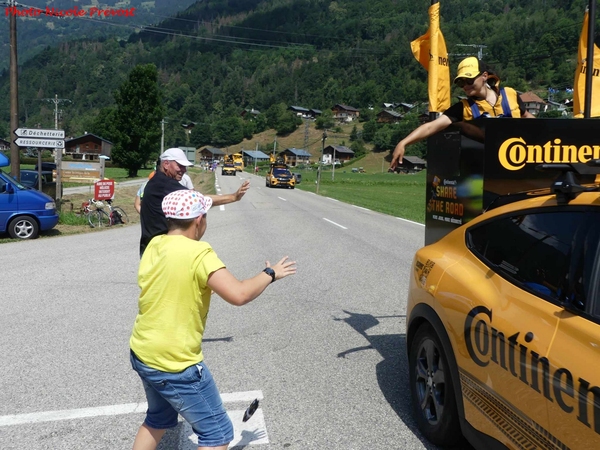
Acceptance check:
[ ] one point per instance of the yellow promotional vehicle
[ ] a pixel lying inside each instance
(238, 162)
(280, 176)
(503, 331)
(228, 169)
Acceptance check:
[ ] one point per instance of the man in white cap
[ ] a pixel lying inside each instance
(173, 164)
(485, 98)
(176, 275)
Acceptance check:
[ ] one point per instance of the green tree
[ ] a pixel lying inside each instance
(325, 120)
(137, 119)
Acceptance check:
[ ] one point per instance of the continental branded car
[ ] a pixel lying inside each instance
(503, 331)
(228, 169)
(280, 176)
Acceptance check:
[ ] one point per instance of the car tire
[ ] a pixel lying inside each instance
(432, 390)
(23, 227)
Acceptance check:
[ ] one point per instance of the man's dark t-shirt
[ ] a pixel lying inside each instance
(152, 217)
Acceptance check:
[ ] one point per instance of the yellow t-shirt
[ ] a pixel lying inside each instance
(173, 303)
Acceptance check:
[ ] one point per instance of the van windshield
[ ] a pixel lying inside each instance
(15, 183)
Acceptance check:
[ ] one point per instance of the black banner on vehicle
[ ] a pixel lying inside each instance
(476, 165)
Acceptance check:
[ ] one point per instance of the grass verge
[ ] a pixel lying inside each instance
(398, 195)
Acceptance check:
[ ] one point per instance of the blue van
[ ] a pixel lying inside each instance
(24, 212)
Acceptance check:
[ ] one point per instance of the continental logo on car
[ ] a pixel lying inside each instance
(515, 153)
(488, 345)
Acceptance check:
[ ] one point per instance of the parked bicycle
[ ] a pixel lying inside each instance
(98, 217)
(116, 214)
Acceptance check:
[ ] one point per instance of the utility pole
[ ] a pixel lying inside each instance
(319, 169)
(15, 157)
(480, 48)
(162, 136)
(58, 152)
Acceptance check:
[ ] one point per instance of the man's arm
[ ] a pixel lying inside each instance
(230, 198)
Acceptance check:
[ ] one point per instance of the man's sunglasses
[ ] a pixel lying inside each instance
(462, 82)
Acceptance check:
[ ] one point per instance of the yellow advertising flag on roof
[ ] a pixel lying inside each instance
(580, 73)
(430, 51)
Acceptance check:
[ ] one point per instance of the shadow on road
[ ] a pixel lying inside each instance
(392, 372)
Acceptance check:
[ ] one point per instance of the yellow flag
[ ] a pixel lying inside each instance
(582, 68)
(430, 51)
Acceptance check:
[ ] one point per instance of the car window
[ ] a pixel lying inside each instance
(28, 178)
(547, 253)
(280, 172)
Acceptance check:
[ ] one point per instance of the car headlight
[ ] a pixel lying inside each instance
(50, 205)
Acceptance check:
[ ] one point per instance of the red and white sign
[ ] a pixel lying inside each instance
(104, 189)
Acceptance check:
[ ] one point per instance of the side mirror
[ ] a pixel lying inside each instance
(10, 189)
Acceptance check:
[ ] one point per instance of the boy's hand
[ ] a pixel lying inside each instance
(283, 268)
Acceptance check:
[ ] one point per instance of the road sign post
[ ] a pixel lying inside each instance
(39, 133)
(40, 142)
(44, 138)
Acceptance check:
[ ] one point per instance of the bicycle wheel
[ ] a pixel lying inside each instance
(118, 216)
(98, 219)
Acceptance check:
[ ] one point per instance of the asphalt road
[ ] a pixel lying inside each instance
(323, 350)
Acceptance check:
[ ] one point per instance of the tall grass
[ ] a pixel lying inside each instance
(399, 195)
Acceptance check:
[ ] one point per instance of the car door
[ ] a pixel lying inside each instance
(8, 203)
(574, 358)
(521, 261)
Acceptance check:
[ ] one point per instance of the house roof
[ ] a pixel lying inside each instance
(255, 154)
(415, 160)
(316, 111)
(85, 135)
(213, 150)
(340, 149)
(296, 152)
(298, 109)
(346, 107)
(530, 97)
(391, 113)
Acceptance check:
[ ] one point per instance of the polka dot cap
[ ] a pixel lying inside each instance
(185, 204)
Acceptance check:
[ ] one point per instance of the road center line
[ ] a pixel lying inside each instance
(281, 198)
(336, 224)
(109, 410)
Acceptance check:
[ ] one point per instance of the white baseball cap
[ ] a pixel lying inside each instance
(185, 204)
(175, 154)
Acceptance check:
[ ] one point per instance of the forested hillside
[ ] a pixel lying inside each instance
(38, 32)
(219, 57)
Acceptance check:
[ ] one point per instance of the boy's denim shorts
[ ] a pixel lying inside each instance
(191, 393)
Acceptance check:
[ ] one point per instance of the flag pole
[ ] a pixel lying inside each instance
(434, 115)
(587, 109)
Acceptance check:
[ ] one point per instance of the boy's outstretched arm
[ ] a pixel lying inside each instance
(237, 292)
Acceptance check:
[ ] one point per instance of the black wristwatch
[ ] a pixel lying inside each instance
(270, 272)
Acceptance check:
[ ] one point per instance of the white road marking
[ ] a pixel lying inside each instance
(221, 207)
(360, 207)
(334, 199)
(253, 432)
(336, 224)
(281, 198)
(410, 221)
(109, 410)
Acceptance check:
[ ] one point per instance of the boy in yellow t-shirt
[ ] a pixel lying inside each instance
(176, 275)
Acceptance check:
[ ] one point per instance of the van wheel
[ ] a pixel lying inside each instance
(432, 391)
(23, 227)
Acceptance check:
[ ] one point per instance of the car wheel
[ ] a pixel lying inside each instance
(23, 227)
(432, 391)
